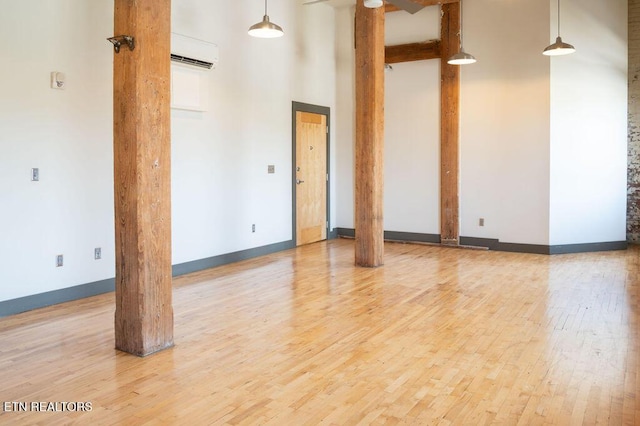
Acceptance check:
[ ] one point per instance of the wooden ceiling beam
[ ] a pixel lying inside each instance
(392, 8)
(412, 52)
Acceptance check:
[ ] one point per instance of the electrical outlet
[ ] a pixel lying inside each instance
(97, 253)
(481, 222)
(59, 260)
(271, 169)
(57, 80)
(35, 174)
(253, 228)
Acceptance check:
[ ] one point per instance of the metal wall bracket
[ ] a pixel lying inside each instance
(119, 40)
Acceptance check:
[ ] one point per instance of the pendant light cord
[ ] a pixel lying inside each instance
(265, 8)
(558, 18)
(460, 3)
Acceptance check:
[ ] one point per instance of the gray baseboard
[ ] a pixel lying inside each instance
(223, 259)
(588, 247)
(41, 300)
(494, 244)
(411, 237)
(346, 232)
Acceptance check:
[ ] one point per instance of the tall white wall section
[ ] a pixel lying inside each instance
(220, 184)
(589, 124)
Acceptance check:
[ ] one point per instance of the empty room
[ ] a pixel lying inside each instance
(288, 212)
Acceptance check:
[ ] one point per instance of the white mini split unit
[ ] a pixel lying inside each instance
(190, 58)
(194, 52)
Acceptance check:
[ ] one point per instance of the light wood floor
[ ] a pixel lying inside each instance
(436, 336)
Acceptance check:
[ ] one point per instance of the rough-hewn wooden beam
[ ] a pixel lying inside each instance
(369, 185)
(412, 52)
(141, 82)
(391, 8)
(449, 130)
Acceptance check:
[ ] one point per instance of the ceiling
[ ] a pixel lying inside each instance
(338, 3)
(345, 3)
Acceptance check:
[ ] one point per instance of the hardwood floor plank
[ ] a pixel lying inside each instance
(436, 336)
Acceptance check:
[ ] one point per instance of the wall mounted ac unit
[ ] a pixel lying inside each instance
(189, 84)
(193, 52)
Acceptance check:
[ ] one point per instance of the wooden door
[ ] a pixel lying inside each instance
(311, 177)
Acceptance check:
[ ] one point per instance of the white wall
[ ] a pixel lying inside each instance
(345, 109)
(412, 129)
(533, 180)
(220, 184)
(504, 124)
(67, 134)
(589, 124)
(504, 135)
(220, 157)
(412, 125)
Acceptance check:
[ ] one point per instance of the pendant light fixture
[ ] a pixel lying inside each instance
(462, 57)
(265, 28)
(372, 4)
(559, 47)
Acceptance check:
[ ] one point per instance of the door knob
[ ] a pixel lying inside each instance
(298, 181)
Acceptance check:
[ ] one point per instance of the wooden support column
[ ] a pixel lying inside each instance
(141, 121)
(449, 130)
(369, 185)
